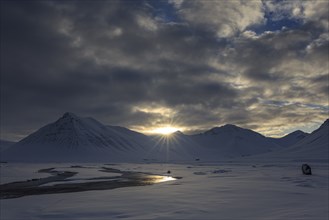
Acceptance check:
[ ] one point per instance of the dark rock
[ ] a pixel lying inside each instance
(306, 169)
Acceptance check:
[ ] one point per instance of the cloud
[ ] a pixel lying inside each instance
(313, 12)
(225, 18)
(122, 63)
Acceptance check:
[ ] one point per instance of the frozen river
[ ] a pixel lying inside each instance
(228, 190)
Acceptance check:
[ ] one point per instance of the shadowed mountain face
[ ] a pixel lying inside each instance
(5, 144)
(73, 138)
(231, 141)
(313, 147)
(290, 139)
(71, 131)
(76, 138)
(318, 138)
(232, 129)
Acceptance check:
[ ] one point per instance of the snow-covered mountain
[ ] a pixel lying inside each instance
(73, 138)
(173, 147)
(232, 141)
(76, 139)
(313, 147)
(290, 139)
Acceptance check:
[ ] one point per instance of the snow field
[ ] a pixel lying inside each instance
(222, 191)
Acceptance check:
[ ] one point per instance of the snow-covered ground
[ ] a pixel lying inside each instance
(227, 190)
(19, 172)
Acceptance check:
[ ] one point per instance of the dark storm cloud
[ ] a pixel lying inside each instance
(193, 92)
(94, 57)
(124, 62)
(267, 57)
(258, 55)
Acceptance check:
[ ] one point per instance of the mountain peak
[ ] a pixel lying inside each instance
(178, 133)
(69, 115)
(230, 126)
(324, 126)
(225, 128)
(297, 133)
(290, 139)
(326, 123)
(73, 138)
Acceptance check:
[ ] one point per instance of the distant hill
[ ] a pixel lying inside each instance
(290, 139)
(312, 148)
(233, 141)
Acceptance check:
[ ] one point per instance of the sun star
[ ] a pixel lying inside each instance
(167, 130)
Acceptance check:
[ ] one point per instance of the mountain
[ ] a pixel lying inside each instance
(312, 148)
(76, 139)
(232, 141)
(5, 144)
(73, 138)
(290, 139)
(173, 147)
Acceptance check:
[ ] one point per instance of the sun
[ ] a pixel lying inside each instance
(166, 130)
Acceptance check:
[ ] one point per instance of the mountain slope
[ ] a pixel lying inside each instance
(5, 144)
(232, 141)
(72, 138)
(76, 139)
(313, 148)
(173, 147)
(290, 139)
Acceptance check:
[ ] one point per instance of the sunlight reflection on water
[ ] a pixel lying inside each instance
(159, 179)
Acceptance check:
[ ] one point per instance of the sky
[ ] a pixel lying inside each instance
(145, 65)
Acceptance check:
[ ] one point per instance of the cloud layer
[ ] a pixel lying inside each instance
(144, 64)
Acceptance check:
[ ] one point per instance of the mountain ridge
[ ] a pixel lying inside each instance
(72, 138)
(76, 137)
(290, 139)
